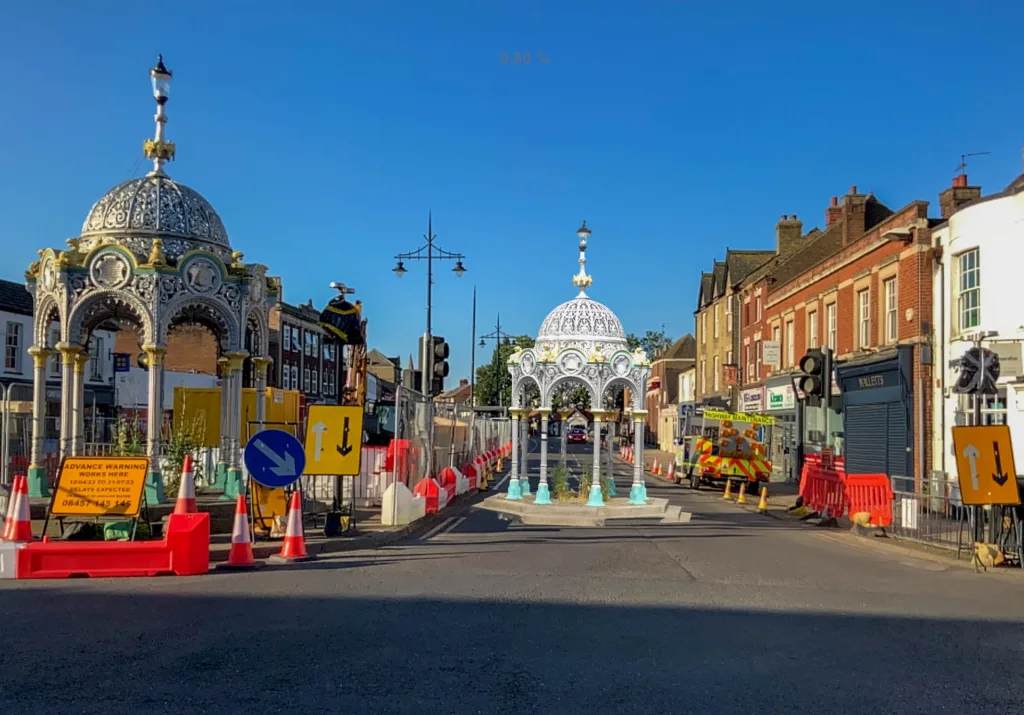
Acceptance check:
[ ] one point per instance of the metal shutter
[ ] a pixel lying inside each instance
(900, 460)
(866, 431)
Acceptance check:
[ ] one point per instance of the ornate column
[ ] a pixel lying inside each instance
(596, 497)
(78, 405)
(233, 486)
(37, 482)
(524, 441)
(610, 463)
(638, 492)
(221, 474)
(562, 447)
(261, 364)
(155, 423)
(67, 390)
(543, 494)
(514, 492)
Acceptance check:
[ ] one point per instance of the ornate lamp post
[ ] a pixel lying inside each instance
(498, 334)
(429, 253)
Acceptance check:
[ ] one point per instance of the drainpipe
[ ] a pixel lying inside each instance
(942, 356)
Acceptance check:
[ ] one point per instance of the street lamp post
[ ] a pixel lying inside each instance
(497, 335)
(429, 253)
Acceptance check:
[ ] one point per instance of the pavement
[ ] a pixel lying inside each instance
(734, 612)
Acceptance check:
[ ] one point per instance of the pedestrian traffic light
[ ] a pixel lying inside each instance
(815, 379)
(439, 359)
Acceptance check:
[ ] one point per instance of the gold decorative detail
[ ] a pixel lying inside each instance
(40, 356)
(154, 149)
(33, 271)
(155, 353)
(516, 356)
(156, 255)
(597, 356)
(236, 360)
(261, 364)
(640, 358)
(68, 352)
(582, 281)
(80, 360)
(548, 355)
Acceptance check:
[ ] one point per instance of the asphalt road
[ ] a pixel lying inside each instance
(732, 613)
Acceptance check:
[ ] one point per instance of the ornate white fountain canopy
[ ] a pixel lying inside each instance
(582, 323)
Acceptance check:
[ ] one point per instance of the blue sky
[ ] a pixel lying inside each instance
(323, 135)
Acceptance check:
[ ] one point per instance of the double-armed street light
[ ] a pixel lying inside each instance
(429, 253)
(499, 335)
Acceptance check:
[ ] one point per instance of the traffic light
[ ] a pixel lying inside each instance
(816, 377)
(439, 360)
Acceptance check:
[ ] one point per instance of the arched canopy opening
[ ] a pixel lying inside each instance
(121, 308)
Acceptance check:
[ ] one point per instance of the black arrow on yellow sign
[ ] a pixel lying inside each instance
(344, 449)
(999, 477)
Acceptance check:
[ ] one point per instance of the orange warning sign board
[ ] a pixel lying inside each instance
(985, 466)
(100, 486)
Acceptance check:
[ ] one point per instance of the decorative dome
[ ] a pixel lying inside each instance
(155, 206)
(582, 323)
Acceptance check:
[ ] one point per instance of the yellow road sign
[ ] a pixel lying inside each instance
(334, 439)
(100, 486)
(984, 461)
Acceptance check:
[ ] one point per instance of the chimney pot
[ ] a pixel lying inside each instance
(794, 217)
(835, 201)
(960, 181)
(782, 218)
(853, 189)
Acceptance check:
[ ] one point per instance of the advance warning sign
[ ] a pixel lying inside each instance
(100, 486)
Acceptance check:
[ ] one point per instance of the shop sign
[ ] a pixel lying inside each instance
(781, 397)
(1009, 358)
(752, 400)
(771, 352)
(871, 381)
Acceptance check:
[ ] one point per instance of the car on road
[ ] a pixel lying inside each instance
(577, 434)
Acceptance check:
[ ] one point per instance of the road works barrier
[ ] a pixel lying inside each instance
(184, 551)
(823, 489)
(870, 493)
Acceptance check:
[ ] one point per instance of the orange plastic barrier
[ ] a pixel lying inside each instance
(871, 493)
(823, 488)
(401, 459)
(447, 480)
(185, 551)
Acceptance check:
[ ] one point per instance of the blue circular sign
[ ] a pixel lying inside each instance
(274, 458)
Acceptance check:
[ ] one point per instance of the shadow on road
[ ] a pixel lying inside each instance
(85, 651)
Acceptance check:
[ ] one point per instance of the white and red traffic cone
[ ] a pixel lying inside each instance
(12, 509)
(294, 546)
(186, 503)
(18, 526)
(240, 557)
(671, 475)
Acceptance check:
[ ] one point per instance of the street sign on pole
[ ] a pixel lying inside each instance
(334, 440)
(274, 458)
(985, 466)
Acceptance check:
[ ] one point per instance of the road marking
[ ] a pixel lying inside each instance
(433, 532)
(454, 526)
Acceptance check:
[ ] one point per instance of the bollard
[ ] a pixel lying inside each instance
(762, 506)
(742, 498)
(727, 496)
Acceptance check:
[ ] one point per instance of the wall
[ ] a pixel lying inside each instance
(132, 387)
(709, 347)
(995, 227)
(190, 348)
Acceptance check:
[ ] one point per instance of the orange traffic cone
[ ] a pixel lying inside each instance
(294, 546)
(21, 529)
(186, 503)
(240, 557)
(12, 509)
(671, 475)
(657, 467)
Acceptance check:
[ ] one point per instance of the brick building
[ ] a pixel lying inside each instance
(861, 287)
(302, 361)
(663, 389)
(717, 323)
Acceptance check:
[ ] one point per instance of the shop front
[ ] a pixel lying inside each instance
(781, 403)
(878, 426)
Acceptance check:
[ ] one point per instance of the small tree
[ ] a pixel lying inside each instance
(187, 438)
(129, 440)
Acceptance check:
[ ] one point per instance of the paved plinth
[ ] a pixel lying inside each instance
(577, 513)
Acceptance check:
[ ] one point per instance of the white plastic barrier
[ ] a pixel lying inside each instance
(400, 507)
(461, 481)
(8, 559)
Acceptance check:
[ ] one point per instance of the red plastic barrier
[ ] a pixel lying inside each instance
(469, 471)
(821, 488)
(871, 493)
(430, 491)
(401, 459)
(185, 551)
(447, 480)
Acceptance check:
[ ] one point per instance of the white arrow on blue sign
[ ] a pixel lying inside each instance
(274, 458)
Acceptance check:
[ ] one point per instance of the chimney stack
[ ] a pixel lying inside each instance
(854, 211)
(957, 195)
(788, 235)
(832, 213)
